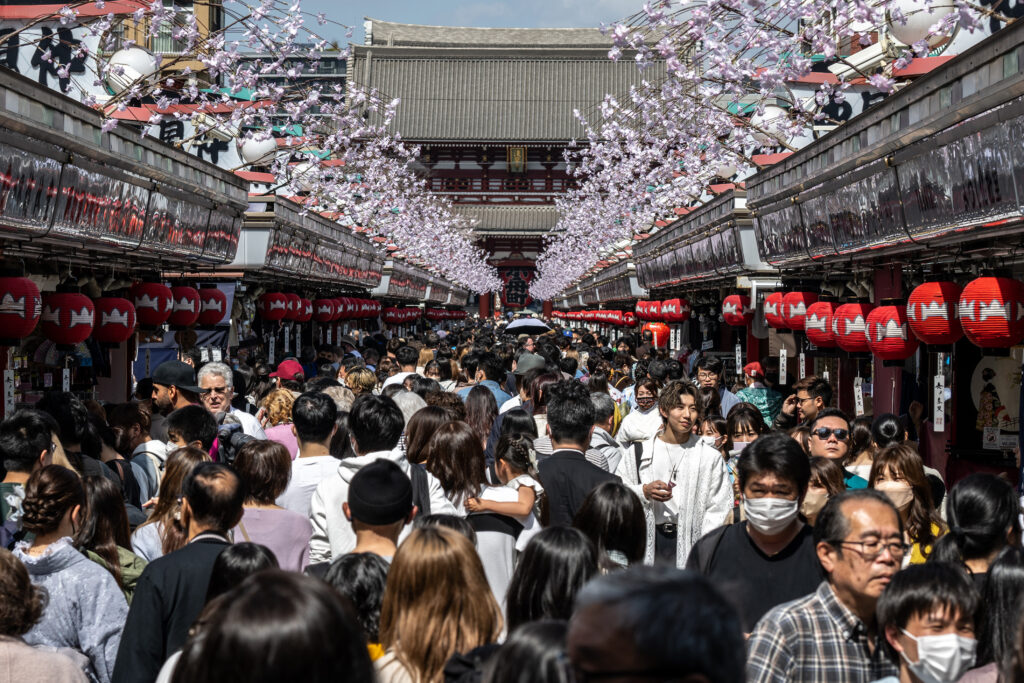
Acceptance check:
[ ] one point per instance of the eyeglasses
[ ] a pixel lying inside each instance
(872, 550)
(707, 375)
(824, 432)
(805, 399)
(214, 390)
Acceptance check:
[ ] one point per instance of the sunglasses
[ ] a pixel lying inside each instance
(824, 432)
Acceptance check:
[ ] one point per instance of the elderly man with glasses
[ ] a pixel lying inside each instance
(830, 438)
(832, 636)
(216, 391)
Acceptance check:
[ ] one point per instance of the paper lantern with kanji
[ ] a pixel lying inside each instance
(641, 310)
(292, 306)
(849, 326)
(186, 307)
(794, 307)
(324, 310)
(305, 311)
(213, 306)
(273, 306)
(675, 310)
(773, 311)
(992, 312)
(153, 303)
(888, 333)
(20, 308)
(114, 320)
(67, 318)
(736, 310)
(818, 324)
(933, 313)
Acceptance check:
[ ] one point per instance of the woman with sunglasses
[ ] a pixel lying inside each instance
(830, 438)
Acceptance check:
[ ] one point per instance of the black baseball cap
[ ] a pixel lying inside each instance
(174, 373)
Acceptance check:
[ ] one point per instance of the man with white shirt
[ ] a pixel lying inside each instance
(314, 417)
(216, 389)
(682, 482)
(375, 425)
(406, 357)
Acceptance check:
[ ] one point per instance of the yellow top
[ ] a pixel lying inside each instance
(919, 555)
(376, 651)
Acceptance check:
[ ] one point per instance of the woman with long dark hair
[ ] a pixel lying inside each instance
(898, 472)
(86, 609)
(534, 652)
(104, 534)
(420, 428)
(538, 400)
(481, 411)
(456, 457)
(1001, 609)
(612, 517)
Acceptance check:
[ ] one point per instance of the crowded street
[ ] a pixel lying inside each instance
(511, 341)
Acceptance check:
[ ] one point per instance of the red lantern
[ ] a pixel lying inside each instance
(391, 315)
(20, 308)
(992, 312)
(213, 306)
(849, 327)
(629, 319)
(641, 310)
(153, 303)
(675, 310)
(114, 321)
(324, 310)
(737, 311)
(660, 332)
(615, 317)
(773, 311)
(305, 311)
(818, 324)
(67, 318)
(933, 314)
(185, 310)
(654, 310)
(293, 306)
(794, 306)
(273, 306)
(888, 333)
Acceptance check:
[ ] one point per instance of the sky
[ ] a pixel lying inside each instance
(483, 13)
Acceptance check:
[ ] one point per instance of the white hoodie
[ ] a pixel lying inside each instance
(332, 533)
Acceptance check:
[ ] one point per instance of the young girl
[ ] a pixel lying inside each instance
(514, 462)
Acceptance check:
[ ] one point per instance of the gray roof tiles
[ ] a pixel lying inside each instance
(415, 35)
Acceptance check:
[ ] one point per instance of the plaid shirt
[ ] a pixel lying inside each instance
(815, 639)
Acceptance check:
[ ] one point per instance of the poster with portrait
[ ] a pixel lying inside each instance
(995, 393)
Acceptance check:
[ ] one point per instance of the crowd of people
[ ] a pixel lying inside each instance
(476, 506)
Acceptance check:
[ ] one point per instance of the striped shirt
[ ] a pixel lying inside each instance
(815, 639)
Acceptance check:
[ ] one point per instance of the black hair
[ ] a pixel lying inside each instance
(376, 423)
(517, 421)
(816, 387)
(981, 510)
(23, 438)
(492, 367)
(570, 413)
(318, 384)
(710, 364)
(678, 619)
(551, 571)
(407, 356)
(70, 413)
(361, 578)
(534, 652)
(832, 526)
(612, 517)
(919, 589)
(453, 522)
(675, 369)
(215, 494)
(247, 630)
(341, 446)
(777, 453)
(1002, 600)
(830, 412)
(657, 370)
(235, 564)
(887, 429)
(515, 449)
(421, 386)
(193, 423)
(314, 414)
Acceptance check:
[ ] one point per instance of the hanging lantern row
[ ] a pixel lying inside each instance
(621, 318)
(274, 306)
(439, 314)
(399, 316)
(667, 311)
(988, 310)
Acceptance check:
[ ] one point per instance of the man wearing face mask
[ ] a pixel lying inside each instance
(927, 616)
(831, 635)
(770, 558)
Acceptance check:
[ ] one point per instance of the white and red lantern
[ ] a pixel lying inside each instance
(818, 324)
(773, 314)
(992, 312)
(629, 319)
(114, 320)
(20, 308)
(324, 310)
(736, 310)
(153, 303)
(933, 314)
(292, 306)
(849, 326)
(213, 306)
(305, 311)
(273, 306)
(67, 318)
(675, 310)
(186, 307)
(794, 307)
(888, 333)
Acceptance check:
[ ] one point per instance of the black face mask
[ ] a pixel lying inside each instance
(646, 403)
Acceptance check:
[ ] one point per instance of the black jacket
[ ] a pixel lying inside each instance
(567, 478)
(168, 598)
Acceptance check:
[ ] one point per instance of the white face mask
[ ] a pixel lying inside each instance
(941, 659)
(737, 448)
(709, 441)
(770, 516)
(899, 492)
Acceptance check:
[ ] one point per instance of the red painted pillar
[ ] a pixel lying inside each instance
(888, 382)
(485, 305)
(547, 308)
